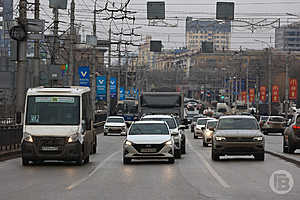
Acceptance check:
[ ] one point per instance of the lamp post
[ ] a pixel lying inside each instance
(269, 53)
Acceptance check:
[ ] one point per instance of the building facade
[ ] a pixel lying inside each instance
(287, 38)
(198, 31)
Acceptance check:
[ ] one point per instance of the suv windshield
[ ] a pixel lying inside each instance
(149, 129)
(237, 124)
(212, 124)
(53, 110)
(171, 122)
(115, 120)
(202, 121)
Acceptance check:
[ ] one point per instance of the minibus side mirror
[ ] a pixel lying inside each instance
(18, 117)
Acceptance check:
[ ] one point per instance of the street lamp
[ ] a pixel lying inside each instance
(269, 75)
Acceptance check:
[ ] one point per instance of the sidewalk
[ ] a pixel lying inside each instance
(274, 147)
(9, 154)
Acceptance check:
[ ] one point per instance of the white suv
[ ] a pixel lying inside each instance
(148, 140)
(115, 125)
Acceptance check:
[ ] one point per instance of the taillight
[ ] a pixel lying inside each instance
(296, 127)
(269, 122)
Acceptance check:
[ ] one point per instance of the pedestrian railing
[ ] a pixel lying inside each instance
(10, 137)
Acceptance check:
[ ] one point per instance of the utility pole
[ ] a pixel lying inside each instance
(21, 64)
(93, 67)
(270, 80)
(55, 33)
(119, 66)
(36, 60)
(247, 85)
(108, 71)
(286, 102)
(72, 38)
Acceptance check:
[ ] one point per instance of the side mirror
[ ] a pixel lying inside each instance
(18, 117)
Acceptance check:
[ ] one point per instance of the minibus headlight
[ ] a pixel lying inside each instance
(73, 138)
(27, 137)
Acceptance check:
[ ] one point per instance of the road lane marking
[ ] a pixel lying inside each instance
(100, 165)
(211, 170)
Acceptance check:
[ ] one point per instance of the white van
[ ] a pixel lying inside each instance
(58, 125)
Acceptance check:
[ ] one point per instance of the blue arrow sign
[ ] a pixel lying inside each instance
(101, 88)
(113, 86)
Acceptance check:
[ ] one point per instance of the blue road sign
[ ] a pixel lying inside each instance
(84, 76)
(101, 88)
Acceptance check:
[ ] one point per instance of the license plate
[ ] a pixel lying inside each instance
(47, 148)
(149, 150)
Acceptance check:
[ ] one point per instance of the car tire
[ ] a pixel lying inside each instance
(285, 147)
(126, 161)
(105, 134)
(214, 156)
(195, 137)
(79, 161)
(171, 160)
(25, 162)
(177, 153)
(204, 143)
(94, 150)
(259, 156)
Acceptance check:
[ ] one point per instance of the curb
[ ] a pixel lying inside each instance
(288, 159)
(10, 155)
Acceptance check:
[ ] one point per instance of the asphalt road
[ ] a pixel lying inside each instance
(193, 177)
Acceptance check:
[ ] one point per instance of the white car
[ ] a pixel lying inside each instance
(148, 140)
(115, 125)
(175, 129)
(209, 131)
(200, 126)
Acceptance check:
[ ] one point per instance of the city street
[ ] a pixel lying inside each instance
(194, 176)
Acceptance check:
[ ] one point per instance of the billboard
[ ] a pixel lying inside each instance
(263, 93)
(251, 95)
(113, 86)
(275, 93)
(293, 88)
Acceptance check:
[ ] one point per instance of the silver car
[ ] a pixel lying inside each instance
(209, 131)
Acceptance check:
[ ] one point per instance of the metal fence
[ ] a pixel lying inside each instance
(10, 137)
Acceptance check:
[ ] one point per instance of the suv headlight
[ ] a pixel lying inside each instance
(73, 138)
(219, 138)
(208, 133)
(27, 137)
(259, 138)
(128, 143)
(168, 142)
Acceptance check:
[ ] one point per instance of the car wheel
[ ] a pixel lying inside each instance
(79, 162)
(195, 137)
(25, 162)
(105, 134)
(171, 160)
(265, 132)
(214, 156)
(177, 153)
(86, 160)
(94, 150)
(126, 161)
(204, 143)
(259, 156)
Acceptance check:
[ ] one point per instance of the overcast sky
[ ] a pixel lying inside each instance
(174, 37)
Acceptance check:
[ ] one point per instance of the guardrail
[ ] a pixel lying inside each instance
(10, 137)
(7, 121)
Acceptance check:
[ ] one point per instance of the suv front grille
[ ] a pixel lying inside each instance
(239, 139)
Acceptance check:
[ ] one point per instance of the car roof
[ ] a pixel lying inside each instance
(149, 122)
(156, 116)
(209, 118)
(213, 120)
(237, 116)
(117, 117)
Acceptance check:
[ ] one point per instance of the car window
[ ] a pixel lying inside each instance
(149, 129)
(276, 119)
(264, 118)
(115, 120)
(237, 124)
(202, 121)
(170, 121)
(212, 124)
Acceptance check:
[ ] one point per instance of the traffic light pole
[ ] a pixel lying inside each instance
(36, 60)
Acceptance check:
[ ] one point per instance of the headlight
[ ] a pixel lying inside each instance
(27, 137)
(259, 138)
(169, 142)
(218, 138)
(208, 133)
(73, 138)
(128, 143)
